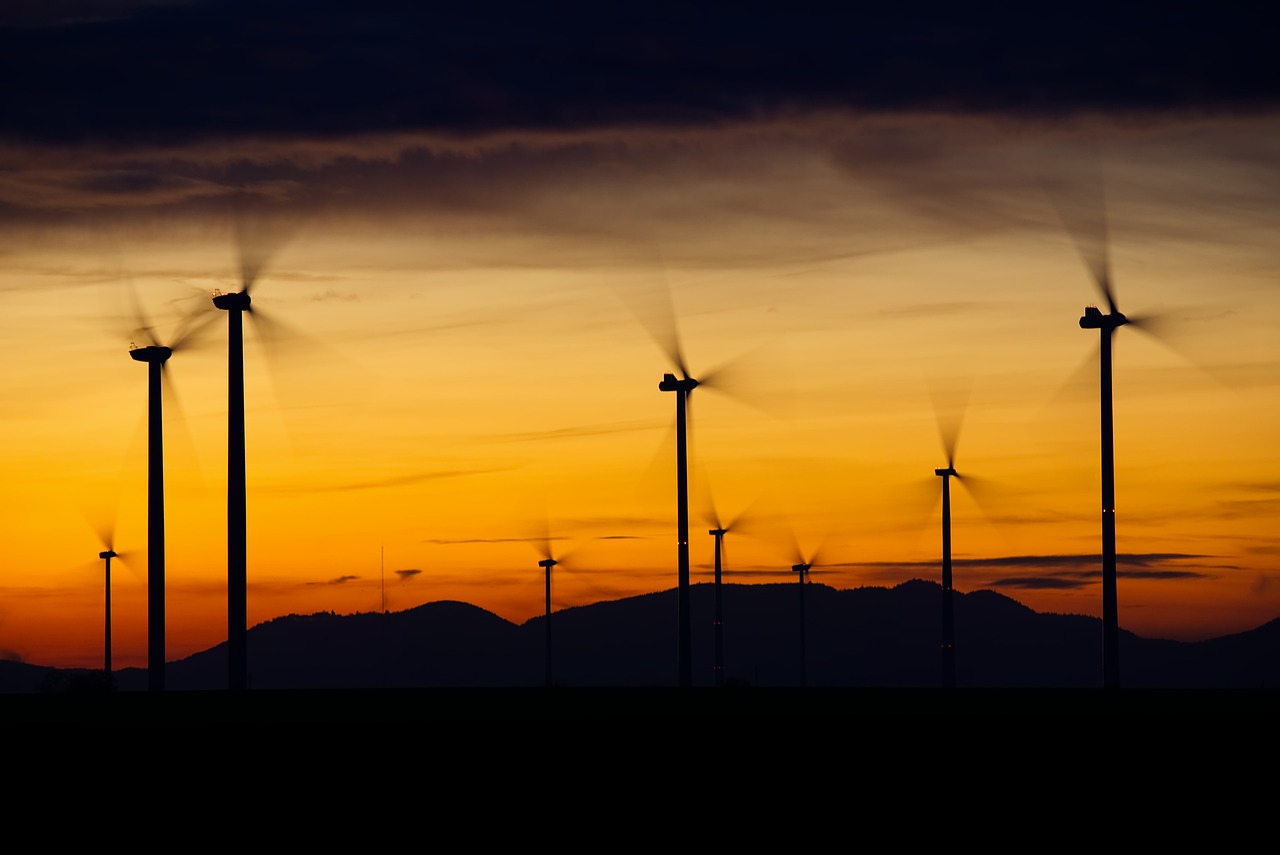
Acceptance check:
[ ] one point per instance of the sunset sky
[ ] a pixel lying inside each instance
(478, 228)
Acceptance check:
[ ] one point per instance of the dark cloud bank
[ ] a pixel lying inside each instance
(170, 72)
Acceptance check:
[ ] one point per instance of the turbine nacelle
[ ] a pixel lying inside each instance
(151, 353)
(671, 384)
(718, 532)
(946, 473)
(800, 568)
(1094, 319)
(548, 563)
(237, 301)
(108, 554)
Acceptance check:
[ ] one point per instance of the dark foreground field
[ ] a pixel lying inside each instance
(471, 704)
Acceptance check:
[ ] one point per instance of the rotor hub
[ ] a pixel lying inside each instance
(151, 353)
(671, 383)
(1094, 319)
(238, 301)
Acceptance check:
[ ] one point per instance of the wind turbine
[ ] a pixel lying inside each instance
(949, 429)
(545, 549)
(801, 570)
(658, 316)
(720, 527)
(235, 305)
(655, 309)
(547, 563)
(1107, 325)
(156, 356)
(682, 386)
(106, 536)
(1088, 226)
(803, 566)
(718, 619)
(107, 673)
(253, 250)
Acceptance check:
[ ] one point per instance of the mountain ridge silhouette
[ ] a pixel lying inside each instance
(857, 638)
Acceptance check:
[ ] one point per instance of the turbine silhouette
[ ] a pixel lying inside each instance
(547, 564)
(548, 561)
(803, 566)
(107, 554)
(655, 309)
(106, 537)
(683, 386)
(254, 246)
(801, 570)
(718, 618)
(1107, 325)
(719, 528)
(949, 430)
(156, 356)
(1087, 223)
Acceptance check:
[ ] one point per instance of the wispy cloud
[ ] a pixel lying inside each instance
(337, 580)
(382, 483)
(1064, 571)
(579, 432)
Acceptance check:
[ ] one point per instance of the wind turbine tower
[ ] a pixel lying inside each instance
(718, 534)
(682, 387)
(235, 305)
(155, 356)
(547, 564)
(107, 554)
(1107, 325)
(802, 570)
(948, 593)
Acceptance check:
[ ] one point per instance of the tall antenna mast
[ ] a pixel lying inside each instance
(383, 549)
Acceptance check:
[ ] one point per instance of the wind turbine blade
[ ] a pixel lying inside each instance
(979, 487)
(658, 481)
(563, 559)
(135, 561)
(797, 553)
(287, 346)
(102, 517)
(293, 360)
(194, 324)
(1078, 194)
(256, 241)
(706, 499)
(752, 378)
(949, 406)
(1082, 383)
(540, 539)
(175, 416)
(746, 521)
(651, 302)
(142, 327)
(260, 235)
(689, 435)
(1178, 333)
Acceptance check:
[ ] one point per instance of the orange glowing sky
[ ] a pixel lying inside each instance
(473, 368)
(472, 360)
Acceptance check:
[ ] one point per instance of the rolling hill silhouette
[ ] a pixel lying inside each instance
(862, 638)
